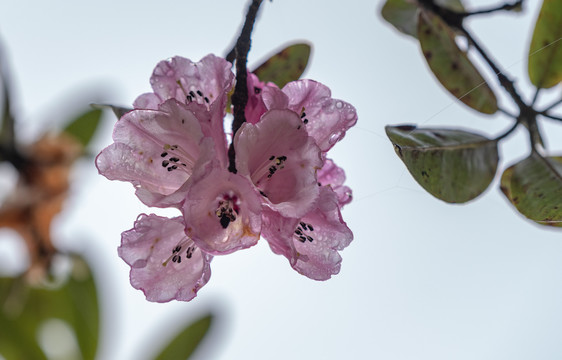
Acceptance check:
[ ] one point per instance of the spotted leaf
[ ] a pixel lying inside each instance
(451, 66)
(453, 165)
(285, 66)
(534, 187)
(545, 52)
(403, 14)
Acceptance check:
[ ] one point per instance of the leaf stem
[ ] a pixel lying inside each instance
(240, 96)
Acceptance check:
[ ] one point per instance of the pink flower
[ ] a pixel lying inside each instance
(155, 150)
(334, 176)
(202, 86)
(281, 160)
(223, 211)
(325, 119)
(165, 263)
(311, 243)
(173, 148)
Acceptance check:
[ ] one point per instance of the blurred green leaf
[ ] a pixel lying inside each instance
(24, 308)
(451, 66)
(185, 343)
(534, 187)
(84, 126)
(453, 165)
(119, 111)
(403, 14)
(545, 52)
(285, 66)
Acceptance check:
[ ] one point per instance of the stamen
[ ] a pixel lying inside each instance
(186, 246)
(227, 210)
(302, 232)
(268, 168)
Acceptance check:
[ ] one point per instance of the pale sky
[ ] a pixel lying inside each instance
(421, 280)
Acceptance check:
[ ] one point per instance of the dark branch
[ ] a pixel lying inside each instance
(240, 96)
(505, 7)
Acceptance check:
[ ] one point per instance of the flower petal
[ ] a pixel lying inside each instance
(178, 77)
(155, 150)
(255, 107)
(311, 244)
(334, 176)
(281, 160)
(148, 248)
(222, 210)
(327, 119)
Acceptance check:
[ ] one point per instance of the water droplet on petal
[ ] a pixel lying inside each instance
(334, 138)
(339, 104)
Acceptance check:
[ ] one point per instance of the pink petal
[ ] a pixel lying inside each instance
(179, 78)
(149, 249)
(334, 176)
(281, 160)
(255, 107)
(327, 119)
(312, 243)
(156, 150)
(222, 210)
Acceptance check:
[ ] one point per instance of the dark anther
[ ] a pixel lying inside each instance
(164, 154)
(309, 238)
(189, 98)
(165, 163)
(174, 159)
(176, 249)
(310, 227)
(263, 194)
(303, 115)
(271, 157)
(192, 94)
(282, 158)
(170, 168)
(257, 90)
(199, 93)
(206, 99)
(305, 121)
(173, 167)
(225, 221)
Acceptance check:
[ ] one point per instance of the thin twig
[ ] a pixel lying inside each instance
(559, 118)
(240, 96)
(504, 7)
(552, 106)
(505, 134)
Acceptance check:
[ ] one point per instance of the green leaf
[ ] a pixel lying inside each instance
(534, 187)
(285, 66)
(119, 111)
(185, 343)
(24, 308)
(451, 66)
(84, 126)
(403, 14)
(453, 165)
(545, 52)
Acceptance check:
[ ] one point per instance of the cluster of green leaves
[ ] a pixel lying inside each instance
(71, 298)
(457, 165)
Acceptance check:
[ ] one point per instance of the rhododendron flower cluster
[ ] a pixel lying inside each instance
(173, 148)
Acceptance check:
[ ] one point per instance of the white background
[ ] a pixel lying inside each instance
(422, 279)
